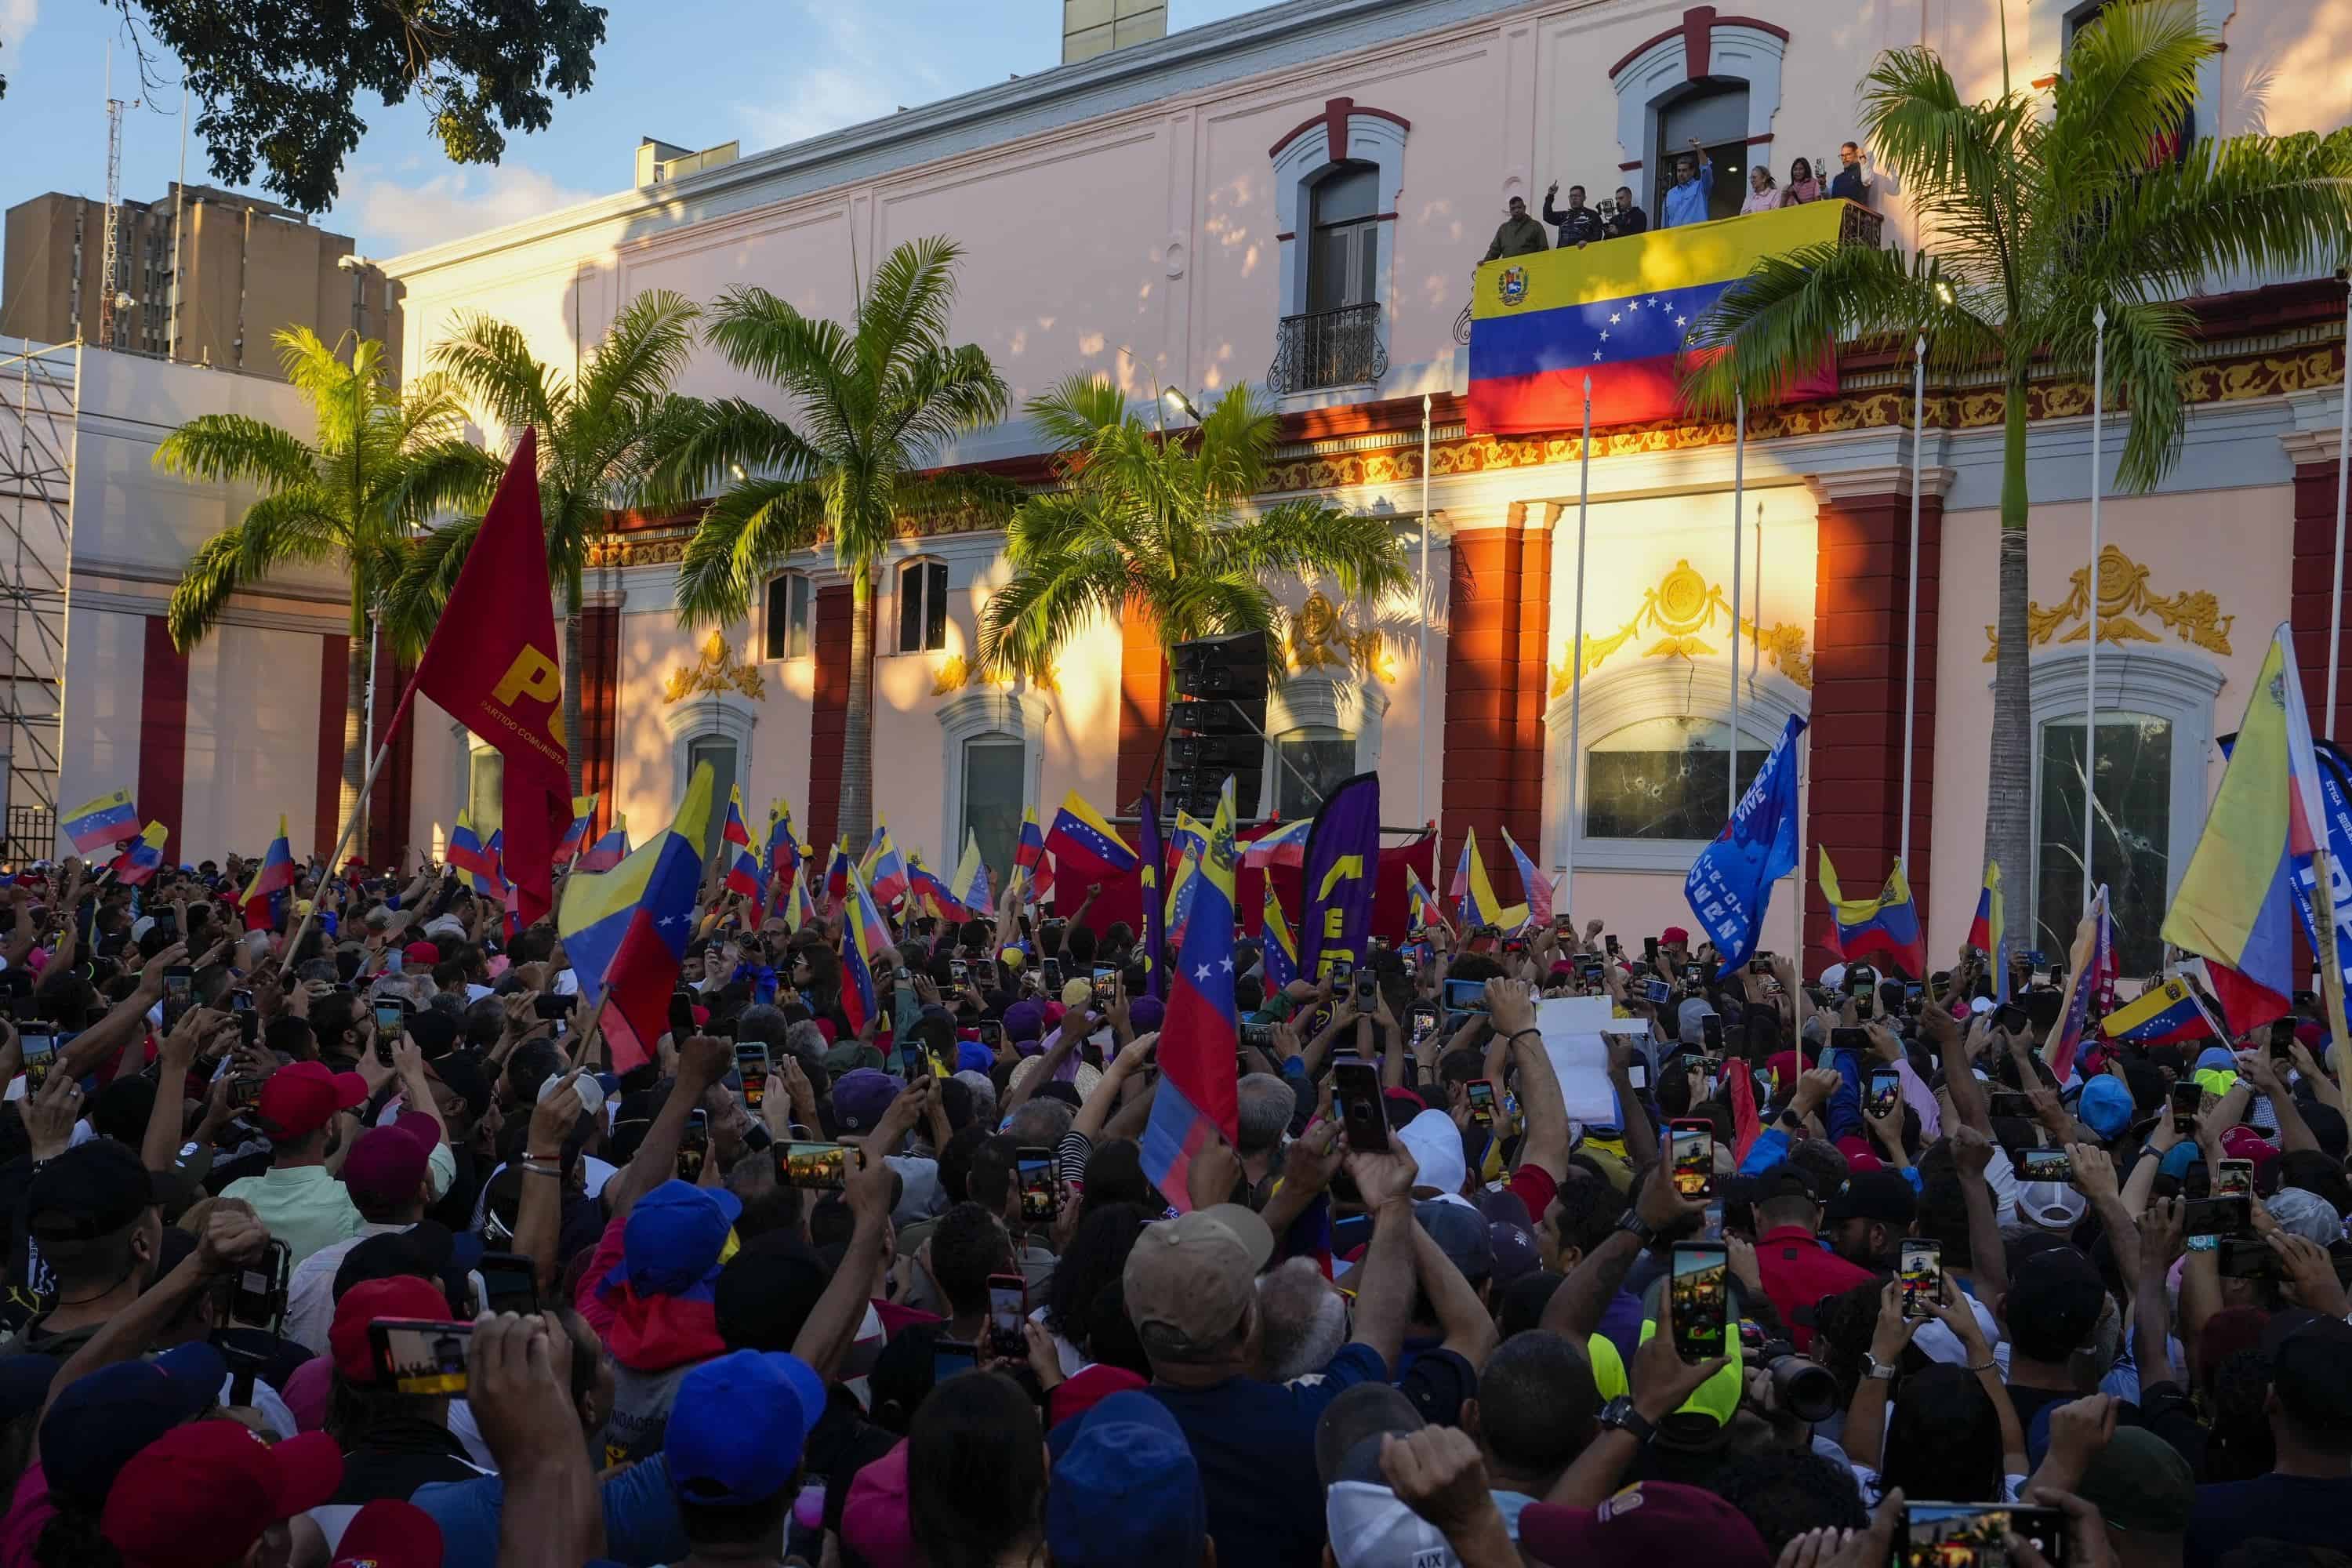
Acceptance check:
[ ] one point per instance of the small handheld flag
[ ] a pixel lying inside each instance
(1537, 885)
(1888, 923)
(625, 929)
(139, 862)
(575, 838)
(2165, 1015)
(608, 851)
(862, 955)
(1198, 1099)
(265, 896)
(1031, 869)
(1083, 841)
(102, 824)
(1281, 953)
(1985, 932)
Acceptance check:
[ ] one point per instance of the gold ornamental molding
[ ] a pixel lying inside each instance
(1683, 610)
(2192, 614)
(955, 672)
(1318, 639)
(717, 671)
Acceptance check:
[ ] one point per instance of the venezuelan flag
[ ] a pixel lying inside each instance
(2082, 977)
(625, 929)
(1281, 947)
(1888, 923)
(265, 897)
(1985, 929)
(737, 830)
(796, 911)
(783, 850)
(1537, 885)
(862, 955)
(102, 824)
(1285, 846)
(1420, 903)
(2235, 904)
(1179, 912)
(138, 863)
(1198, 1097)
(744, 876)
(2164, 1015)
(836, 876)
(1620, 312)
(472, 858)
(575, 838)
(884, 868)
(1083, 839)
(608, 851)
(1030, 866)
(1478, 903)
(969, 886)
(925, 890)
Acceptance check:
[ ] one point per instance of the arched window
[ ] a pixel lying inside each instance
(1337, 178)
(1709, 76)
(993, 748)
(922, 607)
(786, 635)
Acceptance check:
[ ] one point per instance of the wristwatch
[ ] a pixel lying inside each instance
(1639, 1229)
(1620, 1414)
(1877, 1371)
(1791, 1117)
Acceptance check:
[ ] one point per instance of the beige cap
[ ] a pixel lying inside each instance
(1190, 1281)
(1077, 991)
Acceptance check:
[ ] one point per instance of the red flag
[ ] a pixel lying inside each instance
(492, 664)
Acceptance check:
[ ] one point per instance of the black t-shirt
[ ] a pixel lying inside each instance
(2029, 1401)
(2299, 1509)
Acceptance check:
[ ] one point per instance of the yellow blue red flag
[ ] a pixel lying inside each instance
(1888, 923)
(1198, 1098)
(625, 929)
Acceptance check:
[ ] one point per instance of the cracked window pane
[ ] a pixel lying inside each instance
(1324, 756)
(2130, 849)
(1664, 779)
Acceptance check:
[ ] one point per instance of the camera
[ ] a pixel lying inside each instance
(1801, 1386)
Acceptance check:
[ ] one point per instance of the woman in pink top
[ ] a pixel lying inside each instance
(1801, 187)
(1762, 195)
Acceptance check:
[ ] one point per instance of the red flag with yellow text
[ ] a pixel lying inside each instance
(492, 664)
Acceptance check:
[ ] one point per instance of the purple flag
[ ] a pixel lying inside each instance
(1343, 859)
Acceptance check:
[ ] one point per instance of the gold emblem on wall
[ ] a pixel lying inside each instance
(2192, 614)
(955, 672)
(1682, 611)
(717, 671)
(1318, 640)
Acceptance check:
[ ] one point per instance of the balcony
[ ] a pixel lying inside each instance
(1328, 348)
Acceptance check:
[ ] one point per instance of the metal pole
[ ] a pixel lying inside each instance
(1911, 597)
(1575, 661)
(367, 720)
(179, 216)
(2091, 593)
(1739, 505)
(2343, 469)
(1420, 766)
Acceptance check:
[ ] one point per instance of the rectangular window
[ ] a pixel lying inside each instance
(1319, 760)
(787, 617)
(1667, 778)
(922, 607)
(2130, 849)
(992, 790)
(720, 753)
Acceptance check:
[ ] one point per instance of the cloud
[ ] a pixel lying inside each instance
(17, 19)
(854, 75)
(392, 215)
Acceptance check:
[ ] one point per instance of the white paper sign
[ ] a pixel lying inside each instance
(1571, 1027)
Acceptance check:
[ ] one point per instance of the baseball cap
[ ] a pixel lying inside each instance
(738, 1425)
(1371, 1526)
(93, 1189)
(2051, 1206)
(2139, 1482)
(202, 1494)
(387, 1163)
(1190, 1281)
(1883, 1195)
(1077, 991)
(1435, 1144)
(2106, 1105)
(1460, 1232)
(297, 1101)
(1516, 1252)
(2306, 1214)
(2311, 1371)
(2055, 1289)
(99, 1422)
(1126, 1491)
(874, 1522)
(421, 952)
(1673, 935)
(401, 1296)
(674, 1237)
(860, 1098)
(428, 1249)
(390, 1533)
(1648, 1522)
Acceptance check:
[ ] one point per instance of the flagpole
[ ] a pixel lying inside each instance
(2091, 594)
(2343, 474)
(1421, 765)
(1797, 951)
(1739, 505)
(1911, 596)
(1575, 660)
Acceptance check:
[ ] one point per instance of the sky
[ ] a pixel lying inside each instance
(691, 72)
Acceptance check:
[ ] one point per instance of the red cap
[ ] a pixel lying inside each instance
(424, 952)
(390, 1533)
(401, 1296)
(1648, 1522)
(297, 1101)
(202, 1494)
(1673, 935)
(2242, 1142)
(388, 1164)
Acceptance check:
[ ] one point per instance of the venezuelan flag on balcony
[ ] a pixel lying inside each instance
(1618, 311)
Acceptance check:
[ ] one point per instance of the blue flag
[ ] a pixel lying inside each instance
(1730, 884)
(1343, 857)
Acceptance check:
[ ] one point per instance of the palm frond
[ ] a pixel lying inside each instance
(2129, 87)
(708, 442)
(649, 346)
(908, 304)
(2268, 206)
(943, 394)
(740, 538)
(1068, 414)
(1051, 599)
(224, 448)
(428, 571)
(2147, 349)
(293, 526)
(426, 482)
(492, 360)
(1364, 553)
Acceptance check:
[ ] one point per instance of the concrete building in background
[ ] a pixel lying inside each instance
(247, 268)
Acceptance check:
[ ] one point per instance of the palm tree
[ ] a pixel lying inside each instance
(600, 434)
(2037, 212)
(877, 404)
(1158, 525)
(377, 465)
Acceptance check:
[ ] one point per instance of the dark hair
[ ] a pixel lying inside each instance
(988, 1181)
(968, 1244)
(749, 1524)
(1115, 1176)
(1942, 1215)
(956, 1161)
(1536, 1403)
(1095, 1260)
(1943, 1437)
(291, 1037)
(1524, 1300)
(1785, 1493)
(332, 1016)
(1587, 1209)
(355, 1409)
(2238, 1445)
(532, 1064)
(975, 1471)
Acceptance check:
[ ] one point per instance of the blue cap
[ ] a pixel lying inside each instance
(674, 1237)
(2216, 1058)
(738, 1425)
(1126, 1491)
(2180, 1159)
(99, 1422)
(972, 1057)
(2106, 1107)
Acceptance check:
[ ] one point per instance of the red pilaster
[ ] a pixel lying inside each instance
(334, 675)
(1855, 765)
(1498, 630)
(388, 808)
(1142, 705)
(164, 735)
(828, 717)
(2313, 581)
(600, 700)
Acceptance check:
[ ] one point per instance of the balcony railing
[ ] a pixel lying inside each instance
(1328, 347)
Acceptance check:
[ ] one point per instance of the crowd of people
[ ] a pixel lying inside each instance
(1686, 201)
(353, 1249)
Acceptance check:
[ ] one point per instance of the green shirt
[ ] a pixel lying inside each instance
(306, 1207)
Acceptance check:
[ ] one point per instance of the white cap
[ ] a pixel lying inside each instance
(1980, 1004)
(2051, 1206)
(1833, 976)
(1371, 1526)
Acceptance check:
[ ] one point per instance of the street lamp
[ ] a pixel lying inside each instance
(1177, 405)
(358, 266)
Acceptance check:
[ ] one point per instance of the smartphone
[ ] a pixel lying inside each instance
(1052, 971)
(1886, 1090)
(1649, 950)
(1710, 1030)
(752, 1066)
(818, 1167)
(2187, 1100)
(40, 1051)
(419, 1355)
(2283, 1039)
(1368, 988)
(2233, 1179)
(1106, 981)
(1424, 1021)
(179, 987)
(240, 1001)
(1008, 1304)
(1702, 1298)
(1920, 1266)
(958, 970)
(244, 1092)
(1514, 944)
(2010, 1103)
(1637, 1073)
(508, 1283)
(1846, 1039)
(258, 1295)
(1041, 1196)
(694, 1145)
(1363, 1119)
(1975, 1534)
(1466, 995)
(554, 1008)
(991, 1033)
(395, 961)
(1482, 1100)
(2216, 1216)
(949, 1357)
(2012, 1018)
(2046, 1165)
(1694, 1153)
(1658, 993)
(1610, 942)
(2245, 1257)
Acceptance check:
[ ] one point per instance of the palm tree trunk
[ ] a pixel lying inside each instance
(355, 736)
(857, 720)
(2009, 801)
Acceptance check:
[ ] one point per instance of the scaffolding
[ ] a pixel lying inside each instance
(40, 406)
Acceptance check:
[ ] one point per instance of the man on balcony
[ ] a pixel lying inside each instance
(1853, 182)
(1518, 236)
(1693, 181)
(1579, 223)
(1627, 219)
